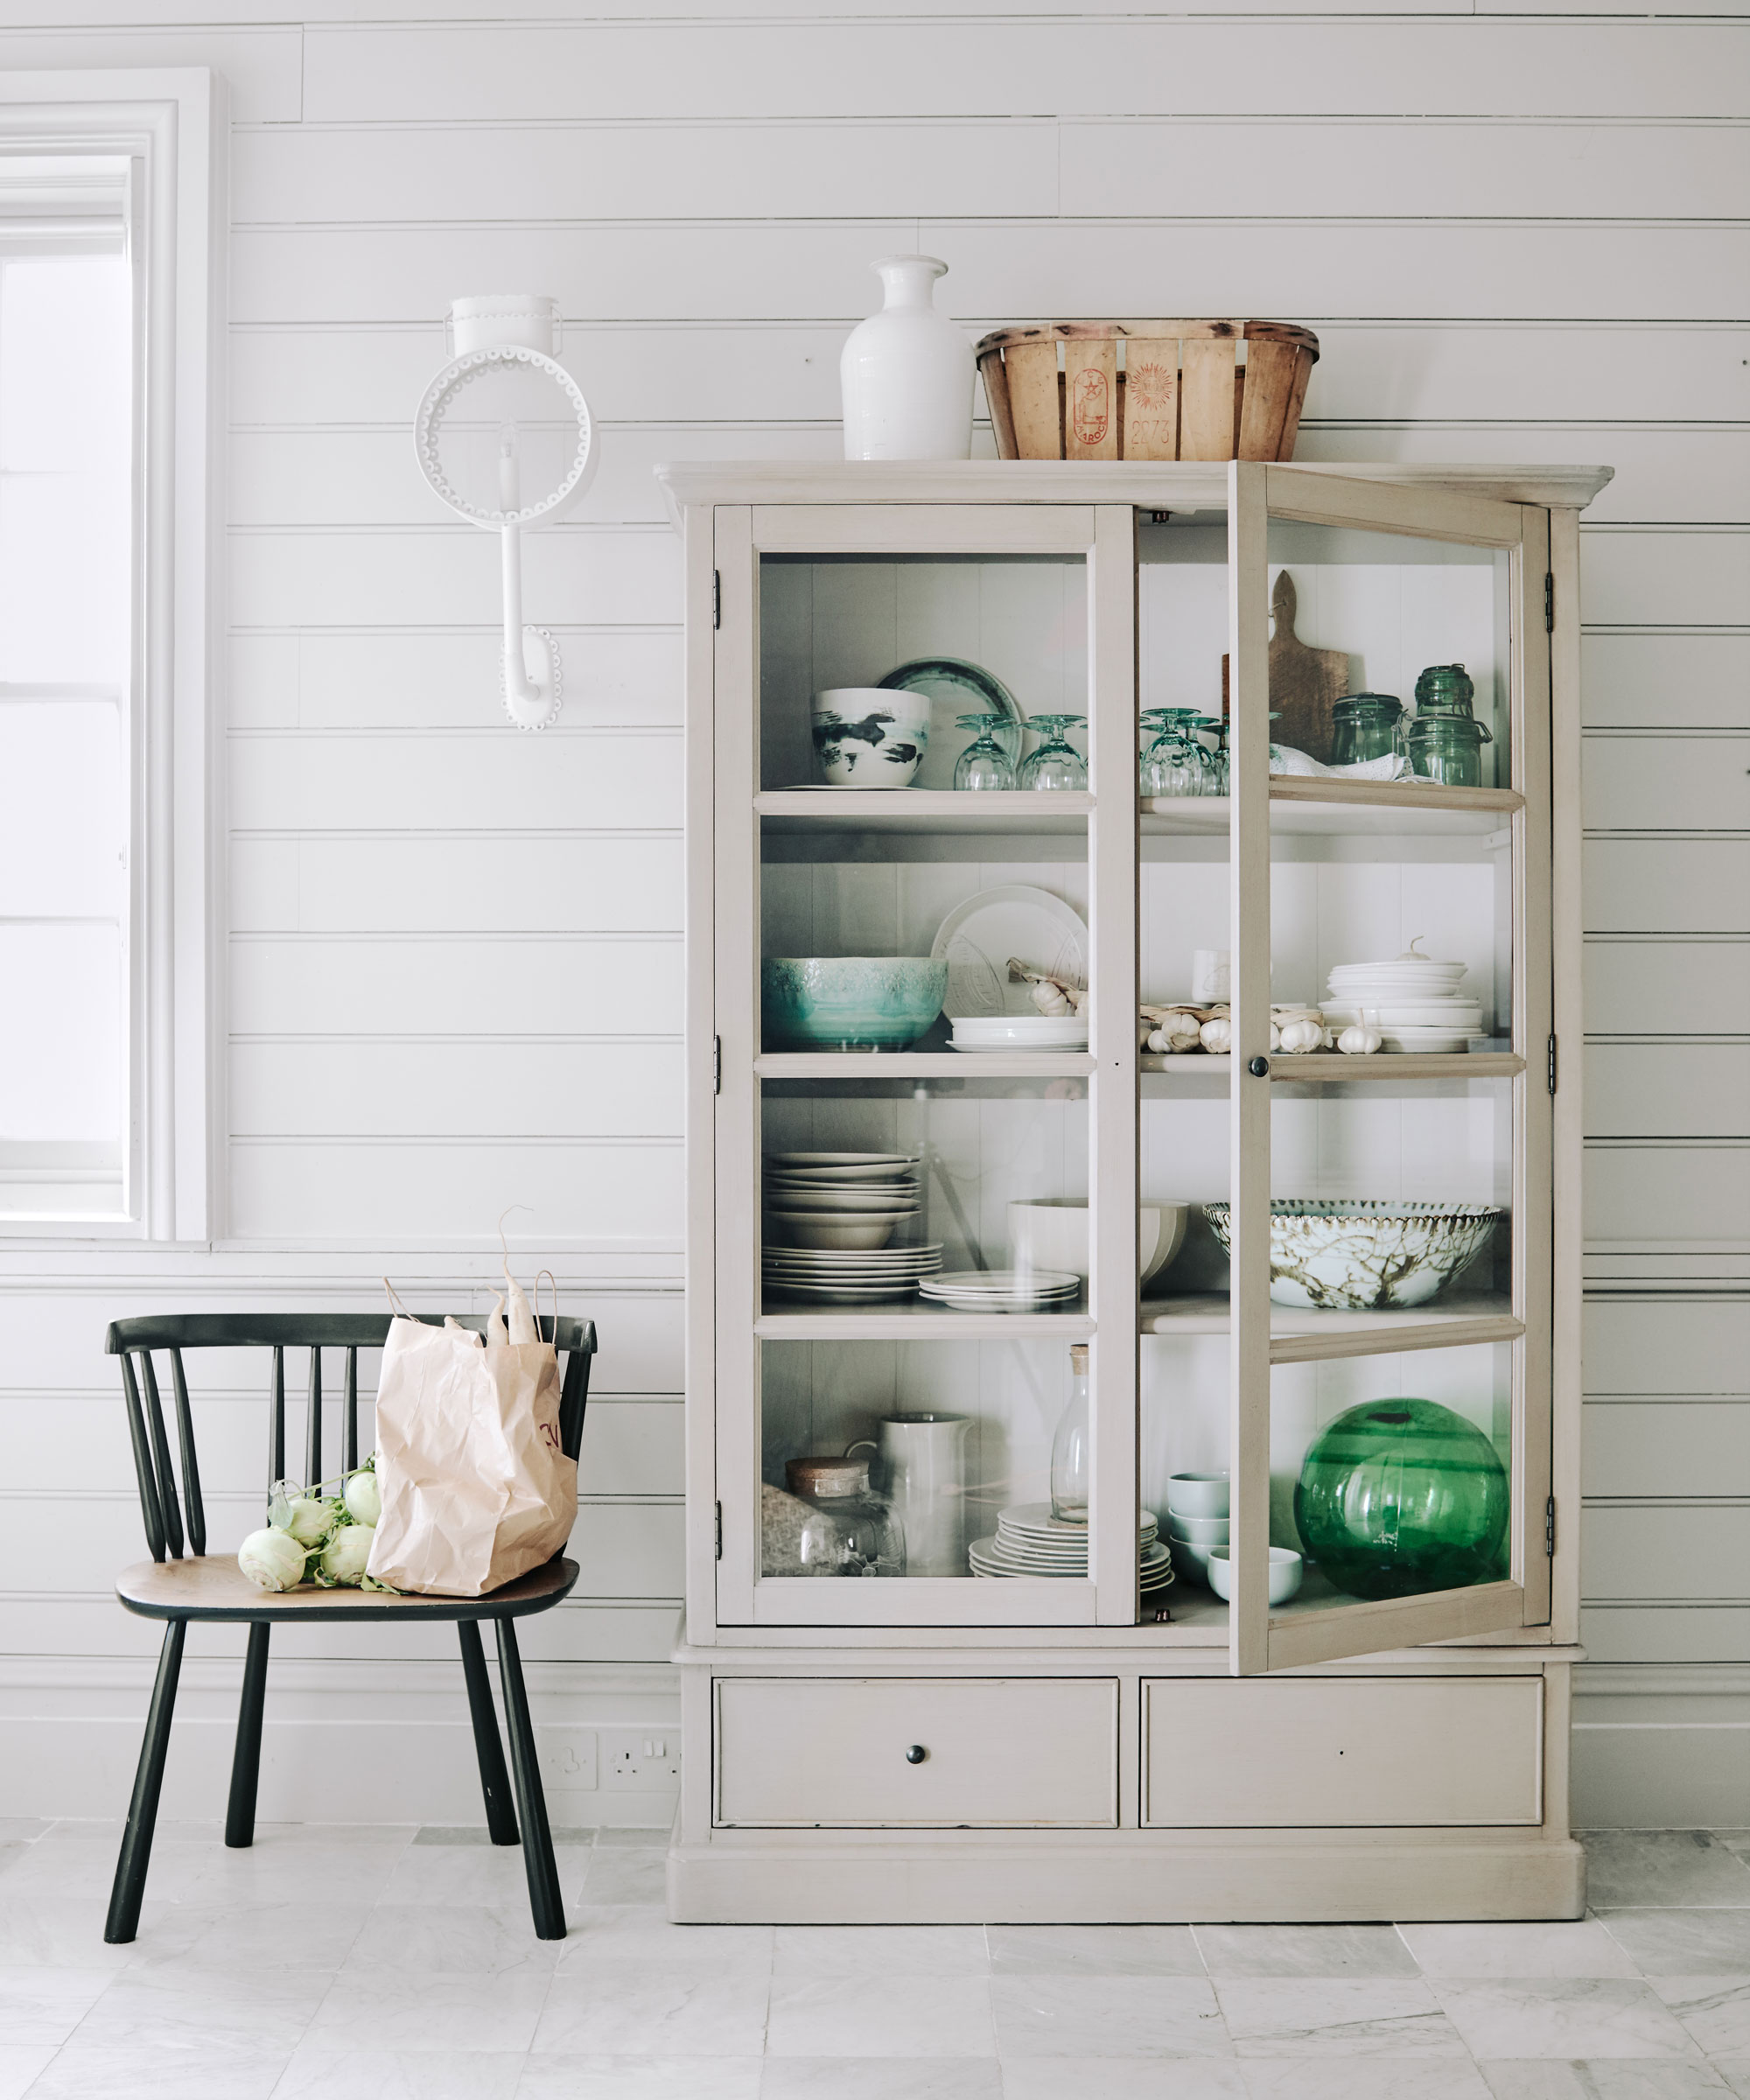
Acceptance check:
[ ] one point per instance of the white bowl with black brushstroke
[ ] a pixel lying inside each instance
(1345, 1257)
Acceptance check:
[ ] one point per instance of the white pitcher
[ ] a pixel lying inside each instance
(919, 1469)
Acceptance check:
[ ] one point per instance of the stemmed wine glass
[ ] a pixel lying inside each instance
(1056, 763)
(983, 765)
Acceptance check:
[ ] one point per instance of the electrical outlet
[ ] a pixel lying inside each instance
(645, 1761)
(569, 1760)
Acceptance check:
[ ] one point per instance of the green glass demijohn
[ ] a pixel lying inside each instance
(1398, 1497)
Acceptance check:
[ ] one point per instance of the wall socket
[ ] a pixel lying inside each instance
(645, 1761)
(568, 1758)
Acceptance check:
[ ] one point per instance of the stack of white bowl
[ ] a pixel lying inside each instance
(1197, 1519)
(1412, 1000)
(999, 1033)
(829, 1219)
(1031, 1542)
(1003, 1290)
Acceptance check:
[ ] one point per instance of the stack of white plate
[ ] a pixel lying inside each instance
(996, 1033)
(1412, 1000)
(840, 1276)
(1003, 1289)
(1030, 1542)
(839, 1202)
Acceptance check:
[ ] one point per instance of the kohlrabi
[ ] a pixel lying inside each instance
(272, 1559)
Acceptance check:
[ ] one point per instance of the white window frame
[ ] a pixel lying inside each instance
(170, 123)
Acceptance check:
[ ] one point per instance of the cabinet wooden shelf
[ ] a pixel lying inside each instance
(932, 1747)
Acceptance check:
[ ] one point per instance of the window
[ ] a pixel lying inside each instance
(108, 230)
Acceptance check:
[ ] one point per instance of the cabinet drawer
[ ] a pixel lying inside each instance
(1307, 1751)
(998, 1752)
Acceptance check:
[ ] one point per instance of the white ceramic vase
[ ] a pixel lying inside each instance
(906, 374)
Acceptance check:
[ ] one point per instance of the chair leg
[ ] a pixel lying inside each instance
(142, 1811)
(537, 1837)
(245, 1760)
(488, 1746)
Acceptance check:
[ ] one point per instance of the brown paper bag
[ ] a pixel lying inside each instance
(476, 1489)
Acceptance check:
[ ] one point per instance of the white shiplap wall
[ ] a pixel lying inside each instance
(454, 951)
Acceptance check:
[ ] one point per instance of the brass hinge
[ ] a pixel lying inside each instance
(1549, 1526)
(718, 1507)
(1551, 1073)
(1549, 603)
(717, 597)
(716, 1064)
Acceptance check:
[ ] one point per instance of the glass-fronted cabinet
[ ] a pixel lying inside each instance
(1130, 921)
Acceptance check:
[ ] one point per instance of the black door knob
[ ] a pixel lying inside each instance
(916, 1754)
(1259, 1068)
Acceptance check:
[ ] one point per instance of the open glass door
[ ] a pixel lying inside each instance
(1388, 1223)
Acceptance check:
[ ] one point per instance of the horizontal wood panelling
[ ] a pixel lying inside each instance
(261, 67)
(410, 1088)
(1703, 987)
(459, 779)
(456, 885)
(1665, 1634)
(433, 1188)
(954, 68)
(1685, 680)
(407, 679)
(747, 372)
(400, 987)
(1688, 885)
(450, 576)
(1665, 579)
(808, 270)
(1647, 1192)
(1667, 1447)
(1675, 1345)
(1668, 1090)
(1659, 780)
(632, 1448)
(1663, 1551)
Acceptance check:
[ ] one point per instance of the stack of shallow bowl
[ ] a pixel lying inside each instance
(1003, 1289)
(1413, 1001)
(829, 1219)
(986, 1033)
(1197, 1519)
(1030, 1542)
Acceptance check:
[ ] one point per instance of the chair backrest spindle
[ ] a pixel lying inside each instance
(195, 1507)
(312, 1422)
(144, 1469)
(160, 1444)
(277, 1417)
(349, 1413)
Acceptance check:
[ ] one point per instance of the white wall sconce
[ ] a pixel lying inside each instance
(506, 438)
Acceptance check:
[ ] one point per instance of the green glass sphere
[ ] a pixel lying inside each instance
(1397, 1497)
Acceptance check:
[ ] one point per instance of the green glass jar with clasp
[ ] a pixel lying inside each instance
(1445, 689)
(1446, 748)
(1366, 725)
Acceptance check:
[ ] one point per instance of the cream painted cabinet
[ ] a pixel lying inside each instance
(997, 1720)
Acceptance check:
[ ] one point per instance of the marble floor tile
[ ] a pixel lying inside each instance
(20, 2062)
(1304, 1951)
(640, 2078)
(63, 1869)
(1737, 1841)
(1093, 1950)
(22, 1830)
(11, 1853)
(1102, 2016)
(87, 2070)
(1563, 2016)
(1604, 2078)
(1631, 1869)
(1336, 2016)
(271, 1939)
(487, 2012)
(1125, 2078)
(1736, 2072)
(190, 2008)
(641, 1839)
(803, 1952)
(467, 1873)
(627, 2009)
(448, 1835)
(66, 1932)
(1580, 1948)
(907, 2015)
(641, 1933)
(898, 2078)
(1715, 2009)
(1682, 1942)
(1363, 2078)
(317, 2072)
(451, 1939)
(624, 1874)
(39, 2005)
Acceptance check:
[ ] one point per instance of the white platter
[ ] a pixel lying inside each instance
(977, 938)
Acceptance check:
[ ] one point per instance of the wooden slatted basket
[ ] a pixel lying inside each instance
(1147, 390)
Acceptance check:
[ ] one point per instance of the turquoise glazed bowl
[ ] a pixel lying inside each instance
(850, 1002)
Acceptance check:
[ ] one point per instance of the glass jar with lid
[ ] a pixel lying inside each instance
(1446, 748)
(1366, 725)
(849, 1529)
(1445, 689)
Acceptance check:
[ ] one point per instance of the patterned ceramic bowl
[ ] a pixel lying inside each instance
(850, 1002)
(867, 737)
(1362, 1257)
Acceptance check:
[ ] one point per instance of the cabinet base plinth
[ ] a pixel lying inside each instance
(1156, 1882)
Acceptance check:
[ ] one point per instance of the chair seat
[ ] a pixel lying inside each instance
(212, 1585)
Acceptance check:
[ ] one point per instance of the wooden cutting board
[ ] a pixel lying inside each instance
(1305, 684)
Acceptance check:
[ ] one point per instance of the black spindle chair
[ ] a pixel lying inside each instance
(182, 1581)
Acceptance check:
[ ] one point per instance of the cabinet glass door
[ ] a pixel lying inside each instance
(925, 1402)
(1388, 1220)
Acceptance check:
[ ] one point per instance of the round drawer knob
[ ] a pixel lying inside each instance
(916, 1754)
(1259, 1068)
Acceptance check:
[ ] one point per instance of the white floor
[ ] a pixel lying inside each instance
(363, 1964)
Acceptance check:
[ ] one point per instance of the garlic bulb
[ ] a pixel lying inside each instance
(1050, 998)
(1275, 1037)
(1217, 1036)
(1360, 1042)
(1299, 1036)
